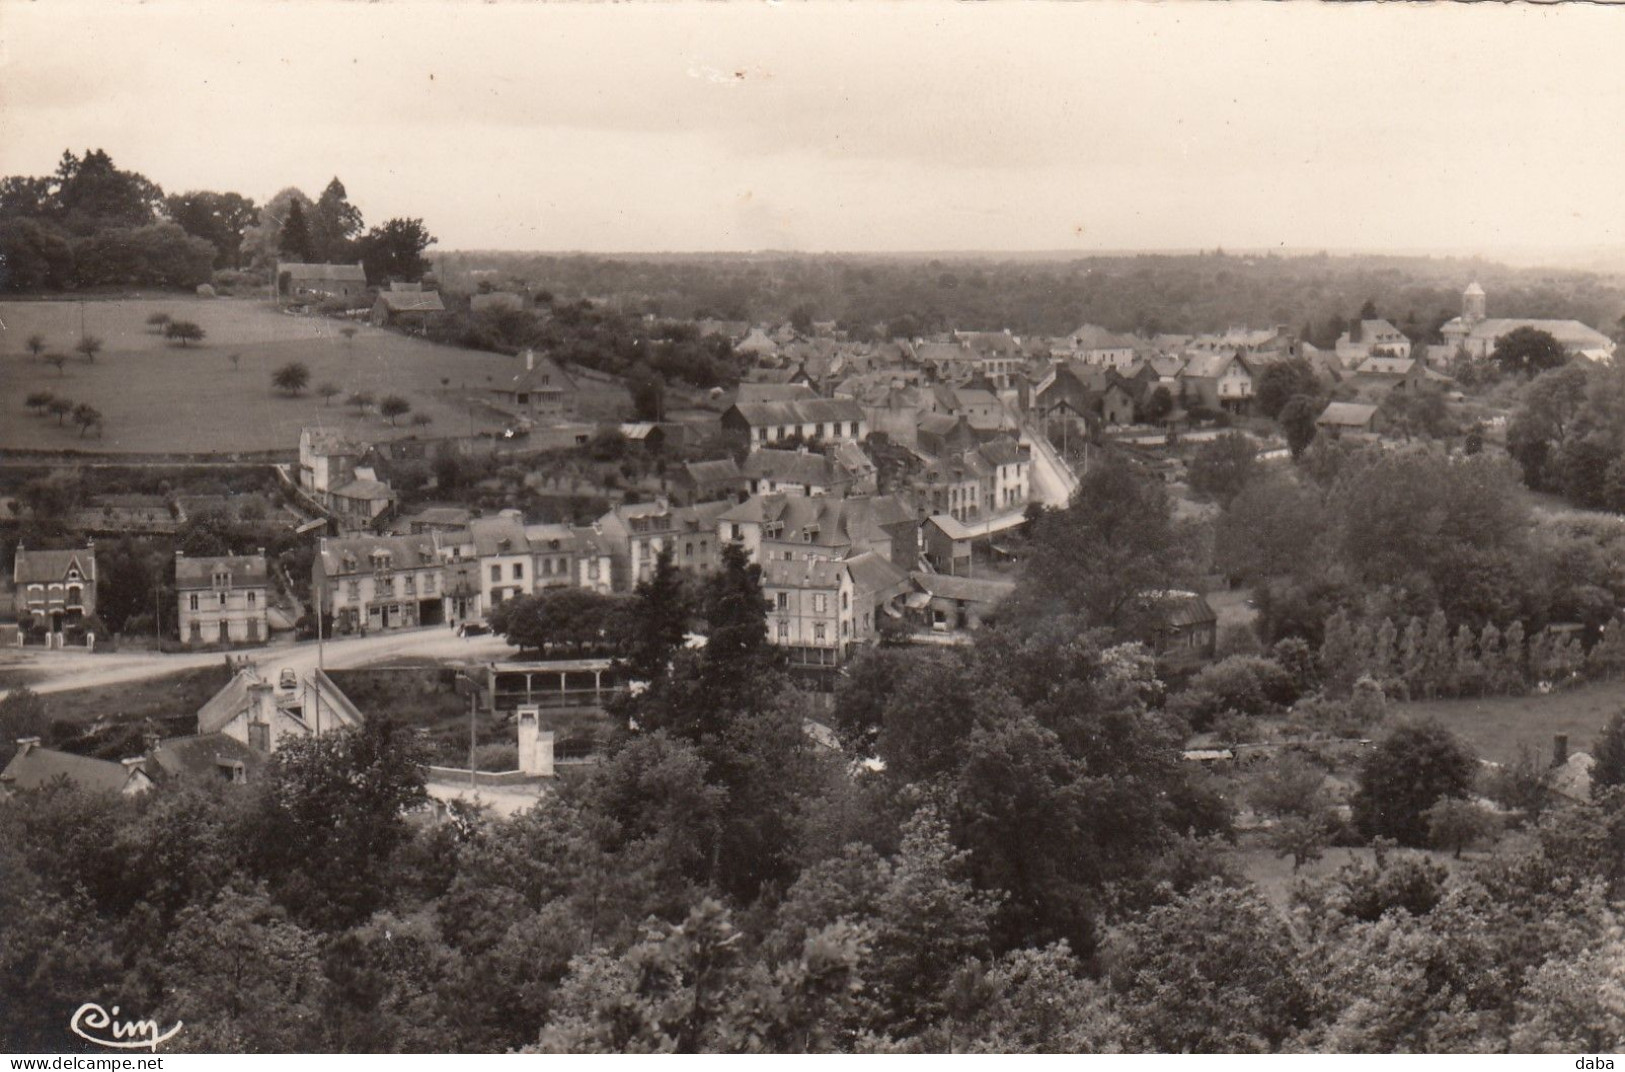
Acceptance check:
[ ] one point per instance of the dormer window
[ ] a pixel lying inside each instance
(222, 578)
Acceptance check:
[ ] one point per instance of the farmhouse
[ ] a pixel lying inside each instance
(710, 481)
(297, 281)
(1371, 338)
(222, 600)
(950, 604)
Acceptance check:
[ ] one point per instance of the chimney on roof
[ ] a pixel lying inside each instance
(1354, 329)
(152, 740)
(530, 360)
(26, 745)
(133, 763)
(1560, 749)
(662, 503)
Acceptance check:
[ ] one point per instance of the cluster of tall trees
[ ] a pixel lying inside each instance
(1430, 660)
(91, 223)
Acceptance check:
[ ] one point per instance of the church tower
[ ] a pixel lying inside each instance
(1472, 303)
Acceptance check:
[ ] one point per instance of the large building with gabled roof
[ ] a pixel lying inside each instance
(53, 589)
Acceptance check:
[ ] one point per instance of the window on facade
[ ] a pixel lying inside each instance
(782, 600)
(192, 601)
(592, 569)
(736, 532)
(518, 571)
(428, 583)
(818, 631)
(251, 599)
(410, 586)
(496, 574)
(222, 599)
(820, 603)
(688, 550)
(784, 630)
(845, 601)
(353, 590)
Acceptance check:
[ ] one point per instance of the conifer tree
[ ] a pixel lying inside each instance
(1339, 660)
(1413, 657)
(1492, 660)
(1468, 672)
(1384, 653)
(1514, 659)
(1438, 655)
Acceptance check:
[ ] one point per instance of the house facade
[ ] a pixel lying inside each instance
(53, 590)
(379, 582)
(635, 533)
(223, 600)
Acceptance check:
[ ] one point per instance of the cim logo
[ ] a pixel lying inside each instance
(99, 1027)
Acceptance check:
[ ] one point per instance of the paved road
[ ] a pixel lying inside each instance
(64, 670)
(1053, 481)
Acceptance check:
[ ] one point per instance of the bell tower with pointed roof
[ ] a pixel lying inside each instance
(1472, 303)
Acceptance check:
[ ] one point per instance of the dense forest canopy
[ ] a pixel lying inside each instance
(1148, 293)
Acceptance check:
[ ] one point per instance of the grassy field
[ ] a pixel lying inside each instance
(1497, 726)
(156, 396)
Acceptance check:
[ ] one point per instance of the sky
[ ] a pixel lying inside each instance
(1000, 126)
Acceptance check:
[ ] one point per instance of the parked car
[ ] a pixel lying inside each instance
(289, 679)
(468, 629)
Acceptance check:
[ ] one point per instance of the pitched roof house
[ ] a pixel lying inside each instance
(224, 599)
(34, 767)
(543, 391)
(295, 280)
(50, 589)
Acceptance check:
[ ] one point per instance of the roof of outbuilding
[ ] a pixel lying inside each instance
(1347, 414)
(965, 589)
(790, 467)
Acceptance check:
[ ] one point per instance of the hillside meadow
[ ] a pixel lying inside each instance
(157, 396)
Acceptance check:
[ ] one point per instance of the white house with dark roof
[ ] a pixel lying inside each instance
(828, 420)
(223, 600)
(261, 714)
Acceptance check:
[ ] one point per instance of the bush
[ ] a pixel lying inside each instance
(1411, 770)
(1243, 684)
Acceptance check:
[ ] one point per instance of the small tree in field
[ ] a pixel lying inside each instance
(394, 406)
(348, 333)
(327, 391)
(236, 362)
(36, 345)
(1456, 824)
(158, 321)
(38, 401)
(86, 416)
(59, 408)
(89, 346)
(291, 378)
(360, 400)
(422, 420)
(183, 332)
(57, 359)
